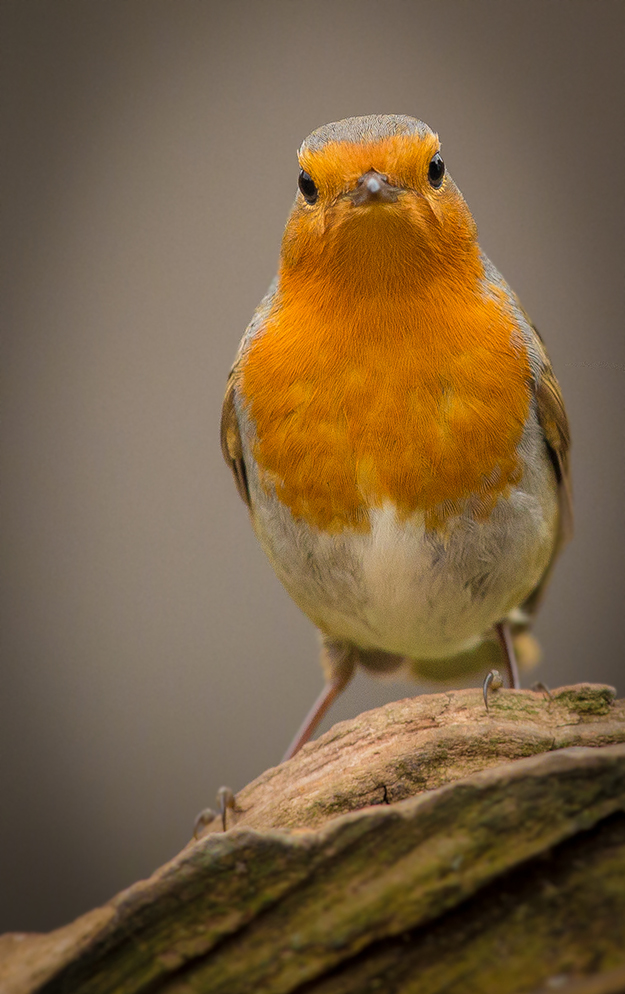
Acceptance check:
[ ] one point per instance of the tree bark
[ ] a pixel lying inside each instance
(428, 846)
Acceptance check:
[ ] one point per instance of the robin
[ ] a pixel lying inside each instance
(392, 420)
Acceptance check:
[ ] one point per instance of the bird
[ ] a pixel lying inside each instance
(392, 420)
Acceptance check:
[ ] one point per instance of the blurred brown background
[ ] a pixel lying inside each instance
(148, 652)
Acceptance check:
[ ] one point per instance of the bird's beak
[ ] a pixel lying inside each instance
(373, 187)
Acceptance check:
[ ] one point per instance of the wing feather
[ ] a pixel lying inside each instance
(555, 426)
(231, 445)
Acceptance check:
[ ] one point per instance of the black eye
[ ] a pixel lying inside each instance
(307, 185)
(436, 171)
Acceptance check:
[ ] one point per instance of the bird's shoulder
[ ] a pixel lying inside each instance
(230, 432)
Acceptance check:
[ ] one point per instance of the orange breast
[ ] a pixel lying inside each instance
(420, 401)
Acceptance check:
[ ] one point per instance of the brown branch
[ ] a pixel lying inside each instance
(481, 874)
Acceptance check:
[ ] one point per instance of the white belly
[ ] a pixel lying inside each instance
(407, 591)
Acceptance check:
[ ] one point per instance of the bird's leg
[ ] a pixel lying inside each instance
(505, 639)
(338, 663)
(493, 679)
(326, 698)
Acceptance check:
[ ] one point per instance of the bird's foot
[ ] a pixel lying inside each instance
(492, 681)
(226, 802)
(542, 688)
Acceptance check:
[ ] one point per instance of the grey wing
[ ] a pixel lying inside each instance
(555, 427)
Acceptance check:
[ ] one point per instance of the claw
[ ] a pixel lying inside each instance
(541, 687)
(204, 818)
(225, 798)
(492, 681)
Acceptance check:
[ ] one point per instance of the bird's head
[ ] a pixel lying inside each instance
(375, 204)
